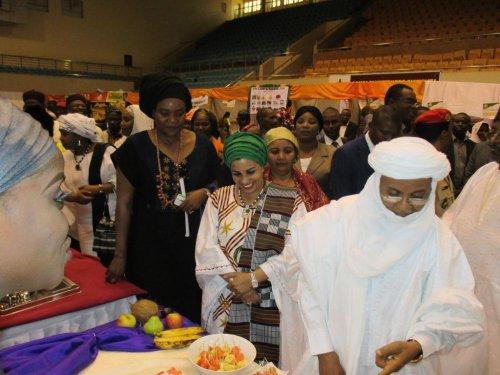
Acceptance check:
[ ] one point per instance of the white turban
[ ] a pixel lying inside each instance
(408, 158)
(376, 237)
(79, 124)
(25, 146)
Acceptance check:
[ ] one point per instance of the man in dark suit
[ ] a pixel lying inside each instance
(460, 150)
(481, 155)
(350, 169)
(403, 98)
(348, 129)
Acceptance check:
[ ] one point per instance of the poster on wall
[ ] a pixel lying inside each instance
(200, 101)
(98, 111)
(268, 97)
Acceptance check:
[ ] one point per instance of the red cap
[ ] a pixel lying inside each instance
(434, 116)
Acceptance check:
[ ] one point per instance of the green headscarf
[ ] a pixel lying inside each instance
(243, 145)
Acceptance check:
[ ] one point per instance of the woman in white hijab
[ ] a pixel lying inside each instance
(382, 280)
(89, 176)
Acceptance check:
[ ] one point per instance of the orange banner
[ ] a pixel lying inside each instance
(351, 90)
(132, 97)
(223, 93)
(340, 90)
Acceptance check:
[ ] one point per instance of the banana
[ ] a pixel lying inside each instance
(176, 342)
(169, 333)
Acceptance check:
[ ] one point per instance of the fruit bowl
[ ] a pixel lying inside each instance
(246, 347)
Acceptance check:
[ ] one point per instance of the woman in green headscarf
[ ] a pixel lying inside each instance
(239, 262)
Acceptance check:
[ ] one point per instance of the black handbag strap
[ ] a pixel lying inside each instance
(99, 203)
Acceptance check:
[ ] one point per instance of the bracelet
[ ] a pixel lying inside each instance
(253, 280)
(419, 357)
(101, 190)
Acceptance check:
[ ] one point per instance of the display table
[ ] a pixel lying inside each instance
(97, 303)
(106, 350)
(117, 363)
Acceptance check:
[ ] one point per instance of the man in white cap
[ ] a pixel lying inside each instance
(394, 288)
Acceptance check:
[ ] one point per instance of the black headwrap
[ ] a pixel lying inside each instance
(157, 86)
(36, 95)
(72, 98)
(313, 111)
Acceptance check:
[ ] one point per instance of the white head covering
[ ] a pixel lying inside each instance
(25, 146)
(377, 237)
(473, 135)
(79, 124)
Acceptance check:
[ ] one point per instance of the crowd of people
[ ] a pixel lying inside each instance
(318, 239)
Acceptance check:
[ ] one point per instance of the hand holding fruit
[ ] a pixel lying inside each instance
(239, 283)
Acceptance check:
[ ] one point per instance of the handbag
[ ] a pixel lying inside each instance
(105, 237)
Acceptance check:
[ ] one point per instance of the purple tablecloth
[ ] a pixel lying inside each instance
(69, 353)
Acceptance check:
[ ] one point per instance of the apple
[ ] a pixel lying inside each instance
(126, 320)
(174, 320)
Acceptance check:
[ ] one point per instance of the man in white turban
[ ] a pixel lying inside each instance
(383, 282)
(475, 219)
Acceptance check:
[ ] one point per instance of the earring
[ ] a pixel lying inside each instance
(79, 143)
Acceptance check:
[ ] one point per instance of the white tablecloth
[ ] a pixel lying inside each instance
(150, 363)
(76, 321)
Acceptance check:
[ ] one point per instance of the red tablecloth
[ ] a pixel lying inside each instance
(88, 273)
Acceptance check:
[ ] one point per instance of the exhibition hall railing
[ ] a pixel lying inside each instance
(38, 65)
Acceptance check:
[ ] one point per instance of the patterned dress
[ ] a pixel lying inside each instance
(231, 240)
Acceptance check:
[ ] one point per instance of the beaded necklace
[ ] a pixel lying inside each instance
(167, 179)
(248, 208)
(78, 162)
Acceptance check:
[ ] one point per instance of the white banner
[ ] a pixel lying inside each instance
(475, 99)
(229, 103)
(200, 100)
(268, 97)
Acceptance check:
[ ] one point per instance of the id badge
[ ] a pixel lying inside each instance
(179, 199)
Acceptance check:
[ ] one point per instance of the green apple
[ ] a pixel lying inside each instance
(153, 325)
(126, 320)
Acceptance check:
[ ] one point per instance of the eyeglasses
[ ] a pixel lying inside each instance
(394, 199)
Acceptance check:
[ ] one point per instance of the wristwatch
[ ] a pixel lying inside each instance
(253, 279)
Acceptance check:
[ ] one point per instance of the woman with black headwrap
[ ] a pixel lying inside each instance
(153, 247)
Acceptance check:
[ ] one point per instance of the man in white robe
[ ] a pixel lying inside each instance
(382, 280)
(475, 219)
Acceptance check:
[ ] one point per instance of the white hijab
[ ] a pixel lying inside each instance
(378, 238)
(473, 135)
(79, 124)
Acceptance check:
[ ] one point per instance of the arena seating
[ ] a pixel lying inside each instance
(397, 20)
(426, 33)
(252, 39)
(485, 58)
